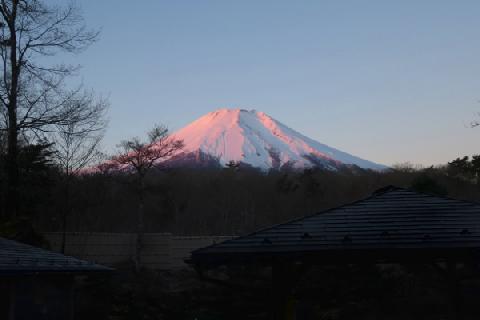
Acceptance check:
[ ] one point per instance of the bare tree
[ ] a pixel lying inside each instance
(77, 146)
(140, 157)
(77, 142)
(32, 92)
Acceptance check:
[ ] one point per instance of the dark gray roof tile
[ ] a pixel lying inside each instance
(16, 257)
(392, 218)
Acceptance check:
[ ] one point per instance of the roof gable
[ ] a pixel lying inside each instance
(16, 257)
(391, 218)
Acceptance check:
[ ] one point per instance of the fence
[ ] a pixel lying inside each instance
(160, 250)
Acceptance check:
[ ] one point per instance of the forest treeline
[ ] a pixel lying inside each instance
(50, 132)
(218, 201)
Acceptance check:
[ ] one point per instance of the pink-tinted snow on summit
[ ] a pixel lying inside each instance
(256, 139)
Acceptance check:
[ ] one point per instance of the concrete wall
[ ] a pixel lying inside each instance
(161, 250)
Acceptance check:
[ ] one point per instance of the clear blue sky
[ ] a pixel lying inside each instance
(389, 81)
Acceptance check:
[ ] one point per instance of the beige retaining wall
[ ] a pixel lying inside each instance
(161, 250)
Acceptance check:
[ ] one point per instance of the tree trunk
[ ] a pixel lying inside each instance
(12, 166)
(12, 150)
(140, 226)
(66, 213)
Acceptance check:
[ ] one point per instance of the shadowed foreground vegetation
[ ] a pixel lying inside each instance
(233, 201)
(330, 293)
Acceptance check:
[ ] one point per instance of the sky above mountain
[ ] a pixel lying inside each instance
(388, 81)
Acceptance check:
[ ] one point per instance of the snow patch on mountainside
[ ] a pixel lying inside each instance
(256, 139)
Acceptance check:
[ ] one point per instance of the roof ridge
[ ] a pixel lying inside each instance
(291, 221)
(388, 188)
(38, 254)
(419, 221)
(376, 193)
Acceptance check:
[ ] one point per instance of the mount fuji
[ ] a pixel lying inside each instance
(255, 139)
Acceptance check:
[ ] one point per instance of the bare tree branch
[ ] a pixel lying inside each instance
(33, 98)
(77, 142)
(140, 157)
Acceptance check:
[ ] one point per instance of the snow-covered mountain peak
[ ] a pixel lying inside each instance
(254, 138)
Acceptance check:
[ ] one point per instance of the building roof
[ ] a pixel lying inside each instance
(393, 223)
(19, 258)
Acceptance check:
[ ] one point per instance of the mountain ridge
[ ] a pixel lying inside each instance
(256, 139)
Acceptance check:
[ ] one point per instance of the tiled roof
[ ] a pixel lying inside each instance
(19, 258)
(392, 220)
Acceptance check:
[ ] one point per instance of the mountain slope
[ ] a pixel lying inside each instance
(256, 139)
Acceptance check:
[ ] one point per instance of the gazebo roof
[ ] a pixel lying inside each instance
(392, 224)
(19, 258)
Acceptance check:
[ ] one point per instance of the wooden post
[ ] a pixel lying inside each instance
(454, 292)
(71, 298)
(282, 300)
(12, 299)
